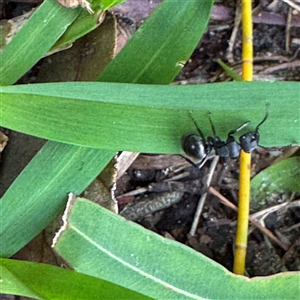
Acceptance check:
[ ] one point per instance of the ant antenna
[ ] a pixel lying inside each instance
(198, 128)
(212, 125)
(265, 118)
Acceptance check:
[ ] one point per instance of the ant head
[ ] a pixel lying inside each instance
(249, 141)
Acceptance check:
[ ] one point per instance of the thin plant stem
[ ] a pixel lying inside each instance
(247, 42)
(243, 214)
(245, 158)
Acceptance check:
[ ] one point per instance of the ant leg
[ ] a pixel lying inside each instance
(202, 162)
(198, 128)
(238, 129)
(221, 174)
(188, 160)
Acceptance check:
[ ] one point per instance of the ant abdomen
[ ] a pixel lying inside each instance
(194, 146)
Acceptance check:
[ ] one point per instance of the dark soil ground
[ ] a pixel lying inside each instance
(158, 178)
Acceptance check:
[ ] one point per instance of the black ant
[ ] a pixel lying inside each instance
(196, 146)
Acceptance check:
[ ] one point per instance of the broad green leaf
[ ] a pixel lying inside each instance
(148, 118)
(167, 40)
(268, 185)
(152, 265)
(39, 193)
(22, 184)
(42, 281)
(35, 38)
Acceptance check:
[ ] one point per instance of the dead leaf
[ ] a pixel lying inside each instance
(75, 3)
(101, 190)
(3, 141)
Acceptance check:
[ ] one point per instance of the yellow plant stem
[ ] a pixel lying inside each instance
(243, 214)
(245, 158)
(247, 43)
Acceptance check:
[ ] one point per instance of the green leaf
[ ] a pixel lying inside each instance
(148, 118)
(161, 46)
(21, 185)
(81, 26)
(39, 193)
(268, 185)
(107, 4)
(48, 282)
(229, 71)
(35, 38)
(152, 265)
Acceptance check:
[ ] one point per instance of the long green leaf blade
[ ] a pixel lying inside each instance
(147, 118)
(155, 266)
(174, 31)
(33, 280)
(32, 42)
(40, 192)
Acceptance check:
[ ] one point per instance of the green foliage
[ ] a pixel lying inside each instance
(55, 171)
(229, 71)
(148, 118)
(155, 266)
(41, 281)
(107, 4)
(271, 183)
(83, 24)
(164, 44)
(93, 120)
(33, 41)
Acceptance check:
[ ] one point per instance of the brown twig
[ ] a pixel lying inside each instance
(252, 220)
